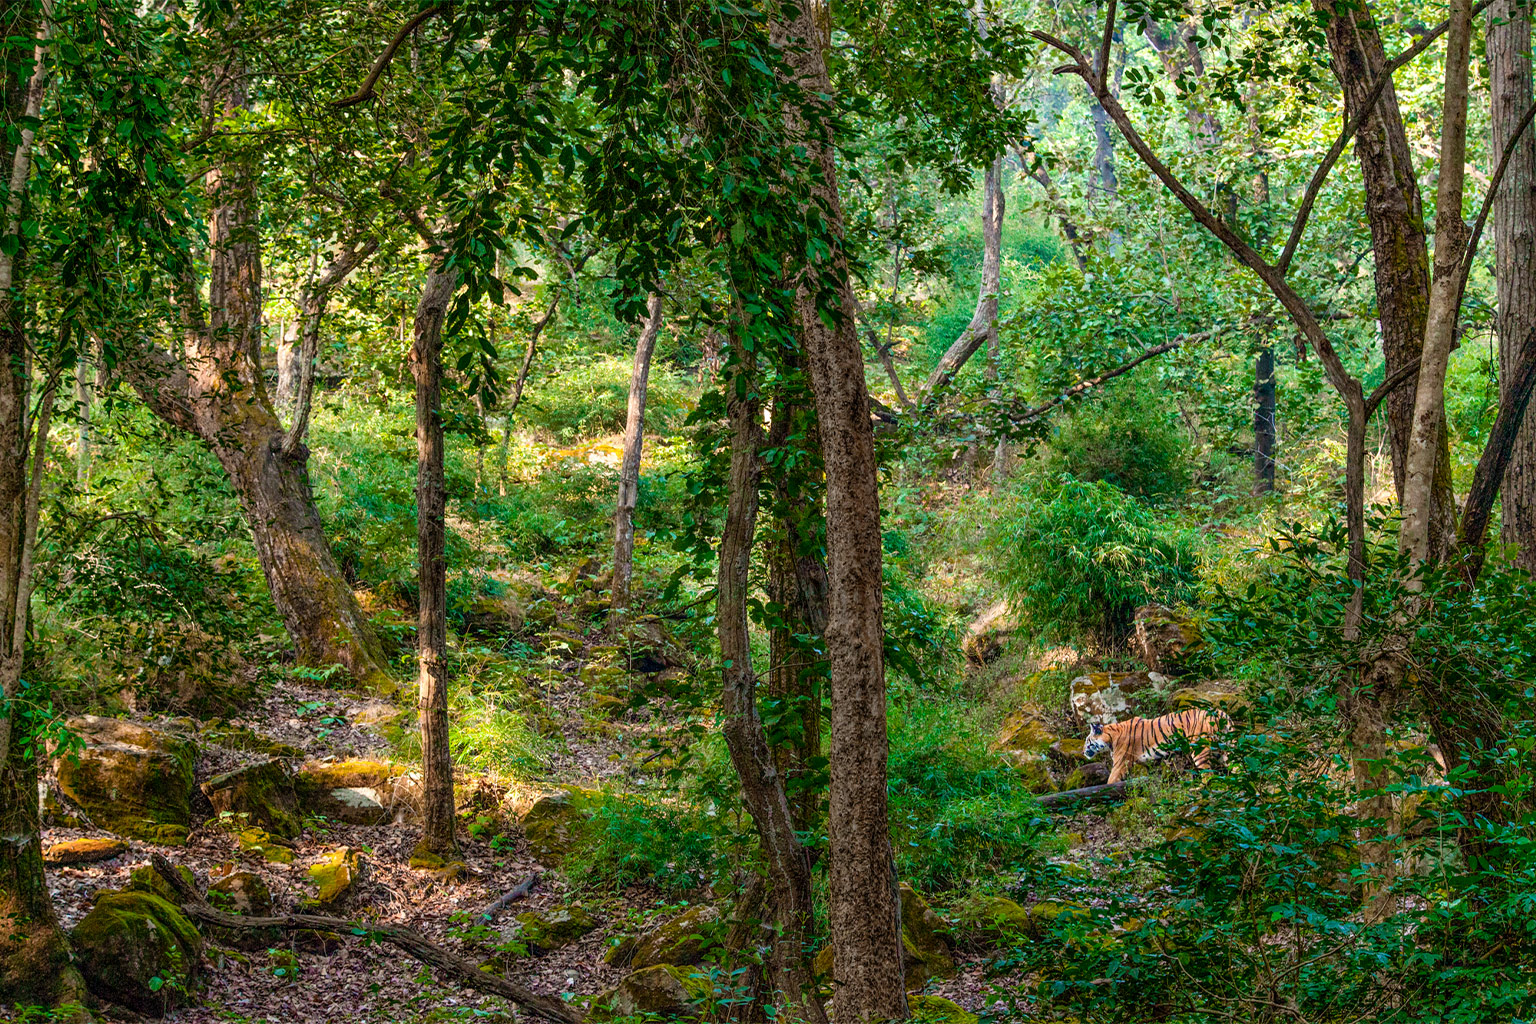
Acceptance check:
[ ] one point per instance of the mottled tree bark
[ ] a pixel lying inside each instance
(863, 901)
(629, 467)
(1514, 234)
(217, 392)
(762, 784)
(437, 832)
(1395, 211)
(982, 330)
(312, 303)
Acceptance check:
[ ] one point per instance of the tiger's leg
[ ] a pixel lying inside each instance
(1119, 766)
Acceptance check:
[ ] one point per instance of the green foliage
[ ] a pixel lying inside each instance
(672, 846)
(958, 812)
(586, 396)
(1077, 558)
(1124, 438)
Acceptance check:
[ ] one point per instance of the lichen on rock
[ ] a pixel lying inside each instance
(257, 794)
(129, 779)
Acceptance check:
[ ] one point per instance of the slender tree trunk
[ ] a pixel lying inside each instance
(83, 396)
(1264, 422)
(1396, 215)
(437, 837)
(1057, 206)
(306, 355)
(629, 468)
(1514, 233)
(216, 391)
(35, 966)
(982, 329)
(864, 910)
(1423, 537)
(789, 864)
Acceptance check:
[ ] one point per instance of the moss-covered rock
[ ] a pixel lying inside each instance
(335, 874)
(83, 851)
(1164, 638)
(258, 794)
(544, 930)
(665, 990)
(137, 950)
(1026, 729)
(1219, 693)
(145, 878)
(444, 870)
(997, 920)
(558, 823)
(926, 949)
(683, 940)
(240, 738)
(938, 1010)
(129, 779)
(358, 792)
(265, 845)
(1105, 697)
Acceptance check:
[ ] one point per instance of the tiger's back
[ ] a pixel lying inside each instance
(1145, 740)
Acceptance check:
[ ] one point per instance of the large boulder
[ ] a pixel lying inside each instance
(1027, 729)
(1219, 693)
(259, 794)
(1164, 638)
(986, 636)
(679, 940)
(938, 1010)
(558, 823)
(926, 945)
(997, 920)
(1107, 697)
(243, 893)
(358, 792)
(138, 951)
(663, 990)
(129, 779)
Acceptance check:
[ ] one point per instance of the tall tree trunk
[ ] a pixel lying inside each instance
(1264, 422)
(1514, 233)
(1395, 211)
(83, 397)
(797, 592)
(1423, 537)
(35, 965)
(437, 835)
(864, 909)
(789, 864)
(983, 326)
(629, 468)
(217, 392)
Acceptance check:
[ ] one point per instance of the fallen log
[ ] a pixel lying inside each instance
(412, 943)
(511, 896)
(1109, 792)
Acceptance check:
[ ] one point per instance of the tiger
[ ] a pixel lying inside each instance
(1140, 740)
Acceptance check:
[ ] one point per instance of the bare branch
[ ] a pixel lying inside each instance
(365, 91)
(1493, 190)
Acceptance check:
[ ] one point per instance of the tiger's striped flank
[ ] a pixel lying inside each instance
(1142, 740)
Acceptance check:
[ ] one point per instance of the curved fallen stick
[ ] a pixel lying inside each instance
(412, 943)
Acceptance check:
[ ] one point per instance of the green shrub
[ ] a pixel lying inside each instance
(633, 841)
(1127, 439)
(1076, 558)
(588, 396)
(957, 810)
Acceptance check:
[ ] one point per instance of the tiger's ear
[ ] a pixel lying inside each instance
(1095, 728)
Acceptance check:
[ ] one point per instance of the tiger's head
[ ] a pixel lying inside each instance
(1096, 743)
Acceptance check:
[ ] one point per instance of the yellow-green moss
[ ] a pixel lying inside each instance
(334, 874)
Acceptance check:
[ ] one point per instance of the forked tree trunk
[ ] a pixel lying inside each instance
(217, 392)
(306, 355)
(629, 468)
(982, 329)
(437, 832)
(789, 865)
(864, 910)
(1395, 211)
(1514, 233)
